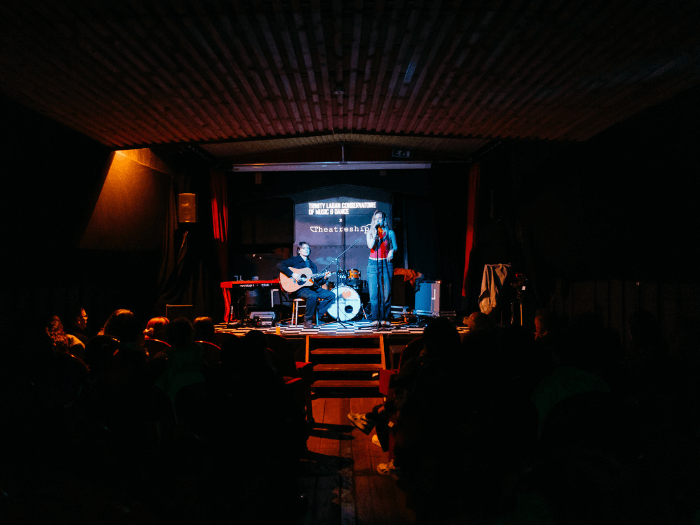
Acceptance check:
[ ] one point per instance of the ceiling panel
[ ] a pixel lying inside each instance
(247, 76)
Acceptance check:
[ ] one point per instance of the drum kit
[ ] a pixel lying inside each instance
(348, 305)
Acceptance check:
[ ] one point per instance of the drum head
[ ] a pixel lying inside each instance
(347, 304)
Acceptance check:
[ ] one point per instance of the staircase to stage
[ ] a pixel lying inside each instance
(346, 361)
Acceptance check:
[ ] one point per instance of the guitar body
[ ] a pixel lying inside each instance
(289, 285)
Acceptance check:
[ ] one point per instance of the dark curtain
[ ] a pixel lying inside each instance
(219, 216)
(171, 264)
(474, 176)
(190, 266)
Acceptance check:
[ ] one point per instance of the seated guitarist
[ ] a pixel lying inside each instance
(316, 297)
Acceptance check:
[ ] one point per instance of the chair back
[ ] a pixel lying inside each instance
(212, 352)
(413, 349)
(99, 349)
(223, 338)
(284, 354)
(153, 346)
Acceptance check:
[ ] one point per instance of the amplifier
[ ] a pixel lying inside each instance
(432, 298)
(262, 318)
(173, 311)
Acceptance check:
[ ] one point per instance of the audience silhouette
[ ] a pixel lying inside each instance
(117, 435)
(503, 425)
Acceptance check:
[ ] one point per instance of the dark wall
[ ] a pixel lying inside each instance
(130, 212)
(52, 177)
(620, 206)
(624, 204)
(53, 180)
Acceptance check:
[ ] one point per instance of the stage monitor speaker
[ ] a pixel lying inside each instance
(173, 311)
(187, 207)
(258, 298)
(433, 297)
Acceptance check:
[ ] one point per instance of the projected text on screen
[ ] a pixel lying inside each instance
(336, 222)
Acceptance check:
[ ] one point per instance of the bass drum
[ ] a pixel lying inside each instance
(347, 304)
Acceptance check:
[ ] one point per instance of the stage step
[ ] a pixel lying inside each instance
(349, 367)
(346, 362)
(346, 351)
(340, 383)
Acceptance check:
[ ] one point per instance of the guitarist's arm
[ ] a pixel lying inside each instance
(318, 279)
(323, 278)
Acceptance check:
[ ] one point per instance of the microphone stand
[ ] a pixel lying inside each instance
(337, 287)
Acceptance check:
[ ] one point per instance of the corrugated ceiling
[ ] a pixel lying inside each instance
(249, 76)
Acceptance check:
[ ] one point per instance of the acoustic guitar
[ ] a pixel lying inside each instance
(307, 278)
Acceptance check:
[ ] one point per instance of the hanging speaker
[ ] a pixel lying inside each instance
(187, 207)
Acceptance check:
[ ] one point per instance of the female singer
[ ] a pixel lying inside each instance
(380, 270)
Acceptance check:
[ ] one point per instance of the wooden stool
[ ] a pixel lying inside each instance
(296, 304)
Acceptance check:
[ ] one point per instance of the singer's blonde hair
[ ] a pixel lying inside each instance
(387, 226)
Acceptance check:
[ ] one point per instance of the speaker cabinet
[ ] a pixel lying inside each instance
(401, 292)
(433, 297)
(187, 207)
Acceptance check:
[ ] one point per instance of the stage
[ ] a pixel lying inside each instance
(334, 328)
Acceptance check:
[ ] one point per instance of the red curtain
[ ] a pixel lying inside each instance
(474, 175)
(219, 214)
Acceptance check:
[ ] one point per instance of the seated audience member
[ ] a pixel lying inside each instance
(78, 325)
(470, 404)
(518, 360)
(479, 321)
(257, 359)
(547, 337)
(123, 325)
(184, 362)
(276, 430)
(627, 455)
(482, 328)
(583, 362)
(442, 345)
(99, 351)
(63, 342)
(204, 329)
(131, 366)
(545, 324)
(155, 328)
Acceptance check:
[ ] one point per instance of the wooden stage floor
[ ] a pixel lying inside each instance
(339, 474)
